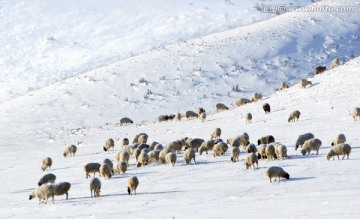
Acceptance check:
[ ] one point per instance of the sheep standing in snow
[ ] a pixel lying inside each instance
(202, 116)
(62, 188)
(133, 183)
(163, 118)
(302, 138)
(143, 159)
(154, 155)
(191, 114)
(241, 101)
(294, 115)
(266, 139)
(47, 178)
(240, 140)
(124, 141)
(178, 116)
(340, 138)
(140, 138)
(206, 146)
(121, 167)
(304, 83)
(109, 143)
(95, 185)
(235, 154)
(171, 158)
(43, 192)
(188, 155)
(175, 146)
(256, 96)
(262, 151)
(355, 113)
(159, 147)
(250, 160)
(335, 63)
(248, 118)
(200, 110)
(309, 145)
(220, 149)
(280, 150)
(320, 69)
(339, 149)
(251, 148)
(266, 108)
(283, 86)
(276, 172)
(163, 153)
(125, 121)
(46, 163)
(194, 143)
(136, 153)
(220, 107)
(91, 168)
(105, 171)
(70, 149)
(122, 156)
(270, 152)
(216, 133)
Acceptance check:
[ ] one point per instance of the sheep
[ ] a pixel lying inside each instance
(163, 118)
(122, 156)
(70, 149)
(220, 149)
(241, 101)
(91, 168)
(171, 158)
(145, 150)
(163, 154)
(256, 96)
(142, 146)
(136, 153)
(304, 83)
(251, 159)
(194, 143)
(320, 69)
(200, 110)
(109, 143)
(124, 141)
(283, 86)
(143, 159)
(335, 63)
(266, 139)
(218, 141)
(110, 163)
(294, 115)
(121, 167)
(171, 116)
(175, 146)
(206, 145)
(43, 192)
(340, 138)
(239, 140)
(280, 150)
(105, 171)
(152, 145)
(202, 116)
(143, 139)
(136, 138)
(251, 148)
(220, 107)
(46, 163)
(154, 155)
(275, 171)
(339, 149)
(309, 145)
(248, 118)
(191, 114)
(178, 116)
(235, 153)
(270, 152)
(95, 185)
(158, 147)
(355, 113)
(266, 108)
(302, 138)
(262, 151)
(133, 183)
(62, 188)
(125, 121)
(188, 155)
(216, 133)
(47, 178)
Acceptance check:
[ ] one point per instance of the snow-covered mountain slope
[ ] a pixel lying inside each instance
(213, 187)
(43, 42)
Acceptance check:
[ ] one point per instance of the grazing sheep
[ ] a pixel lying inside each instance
(133, 183)
(266, 139)
(294, 115)
(142, 146)
(105, 171)
(188, 155)
(163, 118)
(248, 118)
(163, 153)
(218, 141)
(178, 116)
(110, 163)
(355, 113)
(270, 152)
(256, 96)
(109, 143)
(152, 145)
(266, 107)
(171, 158)
(143, 139)
(91, 168)
(200, 110)
(194, 143)
(320, 69)
(262, 151)
(121, 167)
(280, 150)
(174, 146)
(302, 138)
(70, 149)
(206, 146)
(171, 117)
(251, 159)
(251, 148)
(339, 149)
(304, 83)
(216, 133)
(47, 178)
(240, 140)
(137, 140)
(158, 147)
(309, 145)
(276, 172)
(46, 163)
(122, 156)
(335, 63)
(62, 188)
(136, 153)
(43, 192)
(191, 114)
(143, 159)
(95, 185)
(221, 107)
(125, 121)
(154, 155)
(203, 116)
(283, 86)
(124, 141)
(241, 101)
(220, 149)
(235, 154)
(340, 138)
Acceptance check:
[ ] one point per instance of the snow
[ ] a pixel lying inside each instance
(86, 105)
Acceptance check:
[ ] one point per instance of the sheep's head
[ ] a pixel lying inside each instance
(296, 147)
(286, 175)
(105, 149)
(258, 141)
(97, 193)
(332, 143)
(303, 152)
(259, 156)
(64, 154)
(31, 196)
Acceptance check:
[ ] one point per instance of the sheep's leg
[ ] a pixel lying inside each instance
(67, 195)
(317, 152)
(348, 156)
(53, 199)
(343, 157)
(270, 178)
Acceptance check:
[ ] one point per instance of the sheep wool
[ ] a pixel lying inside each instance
(276, 172)
(339, 149)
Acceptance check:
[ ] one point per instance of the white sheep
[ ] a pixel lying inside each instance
(280, 150)
(283, 86)
(270, 152)
(175, 146)
(136, 138)
(158, 147)
(47, 178)
(240, 140)
(43, 192)
(122, 156)
(46, 163)
(262, 151)
(278, 172)
(251, 148)
(309, 145)
(143, 139)
(152, 145)
(339, 149)
(70, 149)
(220, 149)
(202, 116)
(95, 185)
(109, 143)
(335, 63)
(355, 113)
(143, 159)
(178, 116)
(302, 138)
(233, 142)
(163, 153)
(241, 101)
(294, 115)
(105, 171)
(256, 96)
(171, 158)
(200, 110)
(125, 121)
(133, 183)
(62, 188)
(188, 155)
(248, 118)
(340, 138)
(206, 146)
(91, 168)
(250, 160)
(235, 154)
(110, 163)
(221, 107)
(266, 139)
(121, 167)
(216, 133)
(191, 114)
(136, 153)
(194, 143)
(124, 141)
(154, 155)
(163, 118)
(304, 83)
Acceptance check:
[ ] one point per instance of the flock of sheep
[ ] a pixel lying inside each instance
(188, 148)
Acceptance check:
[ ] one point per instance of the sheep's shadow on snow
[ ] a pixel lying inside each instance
(24, 190)
(301, 178)
(311, 156)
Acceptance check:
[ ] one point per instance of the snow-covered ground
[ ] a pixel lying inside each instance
(39, 122)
